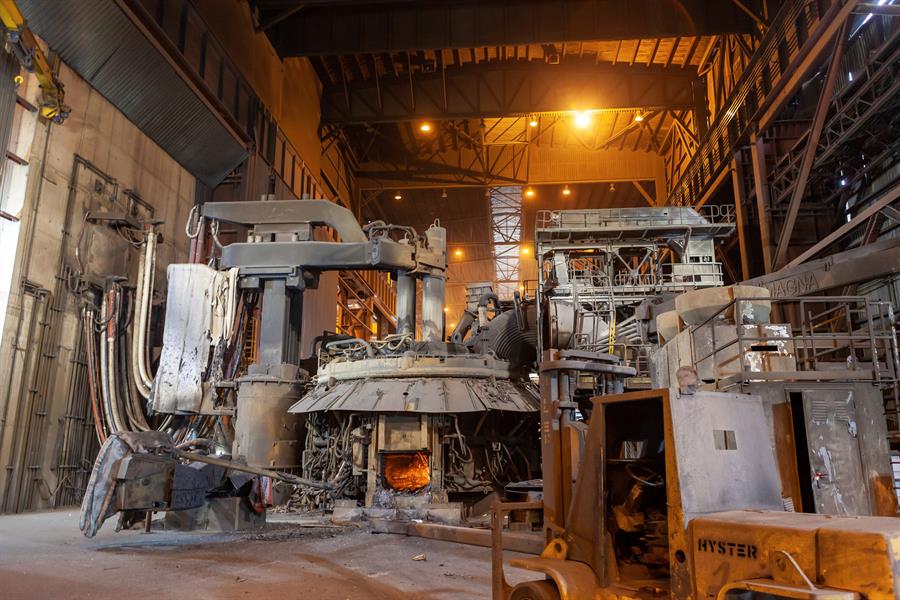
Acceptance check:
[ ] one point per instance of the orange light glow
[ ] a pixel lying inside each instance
(582, 119)
(526, 250)
(458, 252)
(529, 193)
(425, 127)
(398, 197)
(533, 122)
(566, 191)
(407, 471)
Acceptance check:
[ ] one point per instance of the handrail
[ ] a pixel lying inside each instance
(723, 214)
(875, 336)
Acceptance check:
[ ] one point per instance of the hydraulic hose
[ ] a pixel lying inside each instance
(104, 376)
(91, 360)
(139, 384)
(142, 325)
(112, 327)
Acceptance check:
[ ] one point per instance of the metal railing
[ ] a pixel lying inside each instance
(667, 275)
(851, 331)
(607, 218)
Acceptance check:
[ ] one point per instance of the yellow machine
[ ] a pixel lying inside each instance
(679, 495)
(32, 58)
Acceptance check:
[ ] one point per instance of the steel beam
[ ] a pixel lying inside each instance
(885, 200)
(858, 265)
(772, 76)
(507, 89)
(544, 166)
(812, 144)
(760, 183)
(643, 192)
(374, 27)
(740, 197)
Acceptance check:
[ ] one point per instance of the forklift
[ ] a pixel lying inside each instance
(677, 493)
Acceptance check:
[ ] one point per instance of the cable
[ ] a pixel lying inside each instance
(139, 383)
(194, 214)
(91, 360)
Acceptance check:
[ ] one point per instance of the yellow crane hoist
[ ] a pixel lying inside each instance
(25, 47)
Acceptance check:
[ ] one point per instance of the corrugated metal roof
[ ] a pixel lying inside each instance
(104, 47)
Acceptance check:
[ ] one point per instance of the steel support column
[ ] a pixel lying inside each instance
(740, 197)
(760, 183)
(406, 303)
(812, 144)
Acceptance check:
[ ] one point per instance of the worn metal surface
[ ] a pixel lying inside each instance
(515, 541)
(265, 434)
(280, 321)
(711, 548)
(191, 332)
(644, 223)
(288, 212)
(411, 364)
(108, 50)
(865, 263)
(744, 476)
(406, 303)
(839, 485)
(433, 290)
(420, 394)
(855, 555)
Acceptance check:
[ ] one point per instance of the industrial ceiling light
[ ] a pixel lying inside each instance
(582, 119)
(445, 309)
(398, 196)
(612, 187)
(458, 252)
(566, 192)
(425, 127)
(533, 122)
(529, 192)
(526, 250)
(443, 194)
(638, 117)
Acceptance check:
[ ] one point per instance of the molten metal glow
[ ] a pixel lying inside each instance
(406, 472)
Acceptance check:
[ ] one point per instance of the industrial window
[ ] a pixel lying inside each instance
(725, 439)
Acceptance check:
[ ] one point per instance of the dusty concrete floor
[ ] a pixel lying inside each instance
(45, 556)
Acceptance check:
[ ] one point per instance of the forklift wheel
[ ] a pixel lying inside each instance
(535, 590)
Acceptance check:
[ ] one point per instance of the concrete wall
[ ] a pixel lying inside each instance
(99, 133)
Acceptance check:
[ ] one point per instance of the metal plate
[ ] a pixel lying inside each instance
(741, 474)
(420, 395)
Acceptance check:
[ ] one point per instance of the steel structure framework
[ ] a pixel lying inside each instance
(506, 233)
(377, 27)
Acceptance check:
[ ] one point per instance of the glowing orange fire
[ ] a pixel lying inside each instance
(406, 472)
